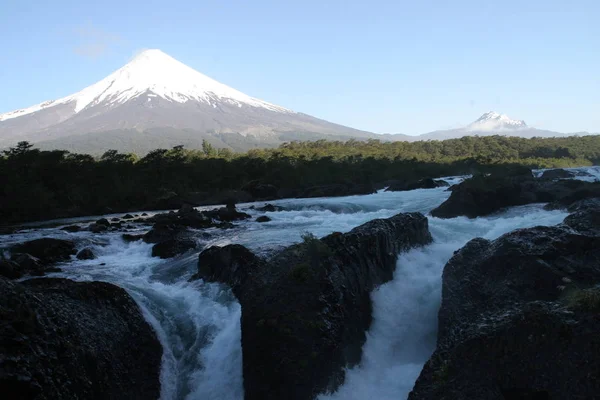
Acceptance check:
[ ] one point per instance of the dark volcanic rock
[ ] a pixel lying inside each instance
(30, 265)
(481, 195)
(172, 247)
(10, 269)
(86, 254)
(127, 237)
(71, 228)
(128, 216)
(103, 221)
(427, 183)
(270, 208)
(519, 317)
(557, 174)
(305, 310)
(61, 339)
(97, 228)
(47, 250)
(263, 218)
(160, 233)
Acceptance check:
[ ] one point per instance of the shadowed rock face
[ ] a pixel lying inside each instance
(305, 310)
(61, 339)
(519, 316)
(47, 250)
(481, 196)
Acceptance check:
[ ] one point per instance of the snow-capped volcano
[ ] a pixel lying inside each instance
(493, 121)
(490, 123)
(150, 73)
(154, 92)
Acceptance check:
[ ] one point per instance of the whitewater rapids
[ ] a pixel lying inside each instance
(198, 323)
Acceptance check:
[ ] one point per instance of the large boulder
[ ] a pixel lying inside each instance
(30, 265)
(47, 250)
(10, 269)
(86, 254)
(173, 247)
(427, 183)
(519, 317)
(61, 339)
(227, 214)
(305, 310)
(557, 174)
(483, 195)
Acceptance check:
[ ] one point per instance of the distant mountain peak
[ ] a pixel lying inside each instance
(494, 121)
(152, 73)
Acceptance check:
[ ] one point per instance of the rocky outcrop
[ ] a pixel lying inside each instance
(47, 250)
(483, 195)
(427, 183)
(263, 218)
(306, 309)
(270, 208)
(71, 228)
(557, 174)
(61, 339)
(173, 247)
(519, 316)
(86, 254)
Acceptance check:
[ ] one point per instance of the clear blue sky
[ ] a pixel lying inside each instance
(383, 66)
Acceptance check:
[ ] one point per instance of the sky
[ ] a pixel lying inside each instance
(383, 66)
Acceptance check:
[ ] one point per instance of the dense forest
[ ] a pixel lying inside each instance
(36, 185)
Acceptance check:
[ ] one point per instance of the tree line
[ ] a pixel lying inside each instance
(37, 184)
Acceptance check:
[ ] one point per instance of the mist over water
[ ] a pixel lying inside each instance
(198, 323)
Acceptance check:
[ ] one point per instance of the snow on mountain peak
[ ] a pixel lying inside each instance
(153, 72)
(492, 120)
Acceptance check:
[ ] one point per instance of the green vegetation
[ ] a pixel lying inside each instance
(300, 273)
(584, 299)
(37, 185)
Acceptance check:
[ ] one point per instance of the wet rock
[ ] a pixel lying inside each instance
(557, 174)
(71, 228)
(173, 247)
(86, 254)
(519, 317)
(29, 264)
(97, 228)
(103, 221)
(127, 237)
(144, 214)
(115, 219)
(61, 339)
(427, 183)
(10, 269)
(305, 310)
(128, 216)
(483, 195)
(270, 208)
(229, 214)
(263, 218)
(160, 233)
(47, 250)
(185, 216)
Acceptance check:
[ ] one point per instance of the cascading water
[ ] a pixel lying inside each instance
(198, 323)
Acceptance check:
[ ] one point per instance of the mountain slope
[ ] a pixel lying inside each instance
(155, 91)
